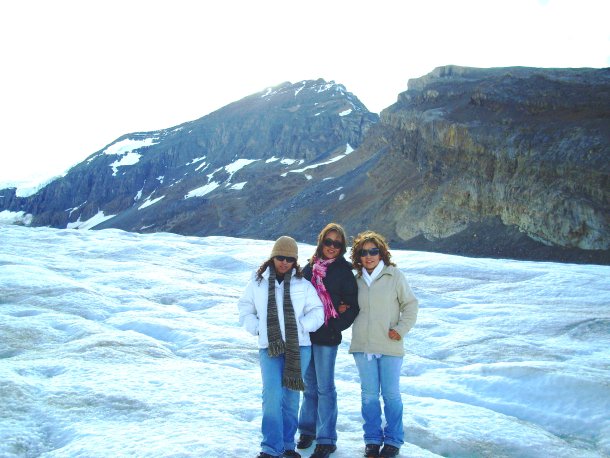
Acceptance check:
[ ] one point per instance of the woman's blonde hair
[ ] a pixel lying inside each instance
(378, 240)
(322, 235)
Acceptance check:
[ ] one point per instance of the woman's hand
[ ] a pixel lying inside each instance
(394, 335)
(343, 307)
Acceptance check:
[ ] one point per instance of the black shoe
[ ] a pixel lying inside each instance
(389, 451)
(371, 450)
(292, 454)
(265, 455)
(323, 450)
(305, 441)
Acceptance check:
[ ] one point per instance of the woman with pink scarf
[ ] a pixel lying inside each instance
(335, 283)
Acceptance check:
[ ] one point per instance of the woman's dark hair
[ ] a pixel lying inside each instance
(322, 235)
(269, 263)
(375, 238)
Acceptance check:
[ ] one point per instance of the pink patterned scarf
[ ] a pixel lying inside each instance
(318, 273)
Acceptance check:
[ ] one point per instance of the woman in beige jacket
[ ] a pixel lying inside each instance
(388, 310)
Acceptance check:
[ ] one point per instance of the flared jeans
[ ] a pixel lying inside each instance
(280, 404)
(381, 375)
(318, 415)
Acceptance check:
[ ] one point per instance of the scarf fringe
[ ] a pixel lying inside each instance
(276, 348)
(295, 384)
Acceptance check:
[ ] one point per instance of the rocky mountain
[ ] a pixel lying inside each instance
(502, 162)
(217, 175)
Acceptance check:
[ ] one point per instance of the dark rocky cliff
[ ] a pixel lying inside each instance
(503, 162)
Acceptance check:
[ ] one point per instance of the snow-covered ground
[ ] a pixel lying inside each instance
(117, 344)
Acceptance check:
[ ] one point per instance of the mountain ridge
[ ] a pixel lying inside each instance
(502, 162)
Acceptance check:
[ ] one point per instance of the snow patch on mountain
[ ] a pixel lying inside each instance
(72, 210)
(9, 217)
(98, 218)
(128, 159)
(129, 145)
(348, 150)
(325, 87)
(238, 186)
(202, 190)
(29, 187)
(288, 161)
(149, 202)
(195, 160)
(296, 92)
(231, 169)
(126, 149)
(238, 165)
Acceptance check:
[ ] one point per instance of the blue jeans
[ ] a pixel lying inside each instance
(319, 410)
(280, 404)
(381, 374)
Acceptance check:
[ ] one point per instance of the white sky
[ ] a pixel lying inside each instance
(76, 75)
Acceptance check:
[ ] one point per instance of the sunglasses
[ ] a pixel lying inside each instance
(286, 258)
(334, 243)
(369, 252)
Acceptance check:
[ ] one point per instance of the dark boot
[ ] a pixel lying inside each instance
(371, 450)
(265, 455)
(305, 441)
(323, 450)
(389, 451)
(291, 454)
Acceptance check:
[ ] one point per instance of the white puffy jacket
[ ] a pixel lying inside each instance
(308, 309)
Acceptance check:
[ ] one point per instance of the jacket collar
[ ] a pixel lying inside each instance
(387, 270)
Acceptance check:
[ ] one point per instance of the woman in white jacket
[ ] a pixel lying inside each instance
(281, 308)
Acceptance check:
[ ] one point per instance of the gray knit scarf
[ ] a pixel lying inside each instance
(292, 362)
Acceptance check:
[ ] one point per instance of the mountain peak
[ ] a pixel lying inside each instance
(203, 176)
(501, 162)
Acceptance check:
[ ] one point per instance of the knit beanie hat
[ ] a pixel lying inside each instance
(285, 246)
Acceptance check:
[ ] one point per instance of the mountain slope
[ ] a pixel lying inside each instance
(211, 175)
(502, 162)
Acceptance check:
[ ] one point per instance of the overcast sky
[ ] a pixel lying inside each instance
(75, 74)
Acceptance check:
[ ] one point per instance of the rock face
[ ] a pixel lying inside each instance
(508, 162)
(503, 162)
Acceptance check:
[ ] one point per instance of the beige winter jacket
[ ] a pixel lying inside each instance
(387, 304)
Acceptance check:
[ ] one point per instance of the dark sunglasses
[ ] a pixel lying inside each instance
(371, 252)
(286, 258)
(334, 243)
